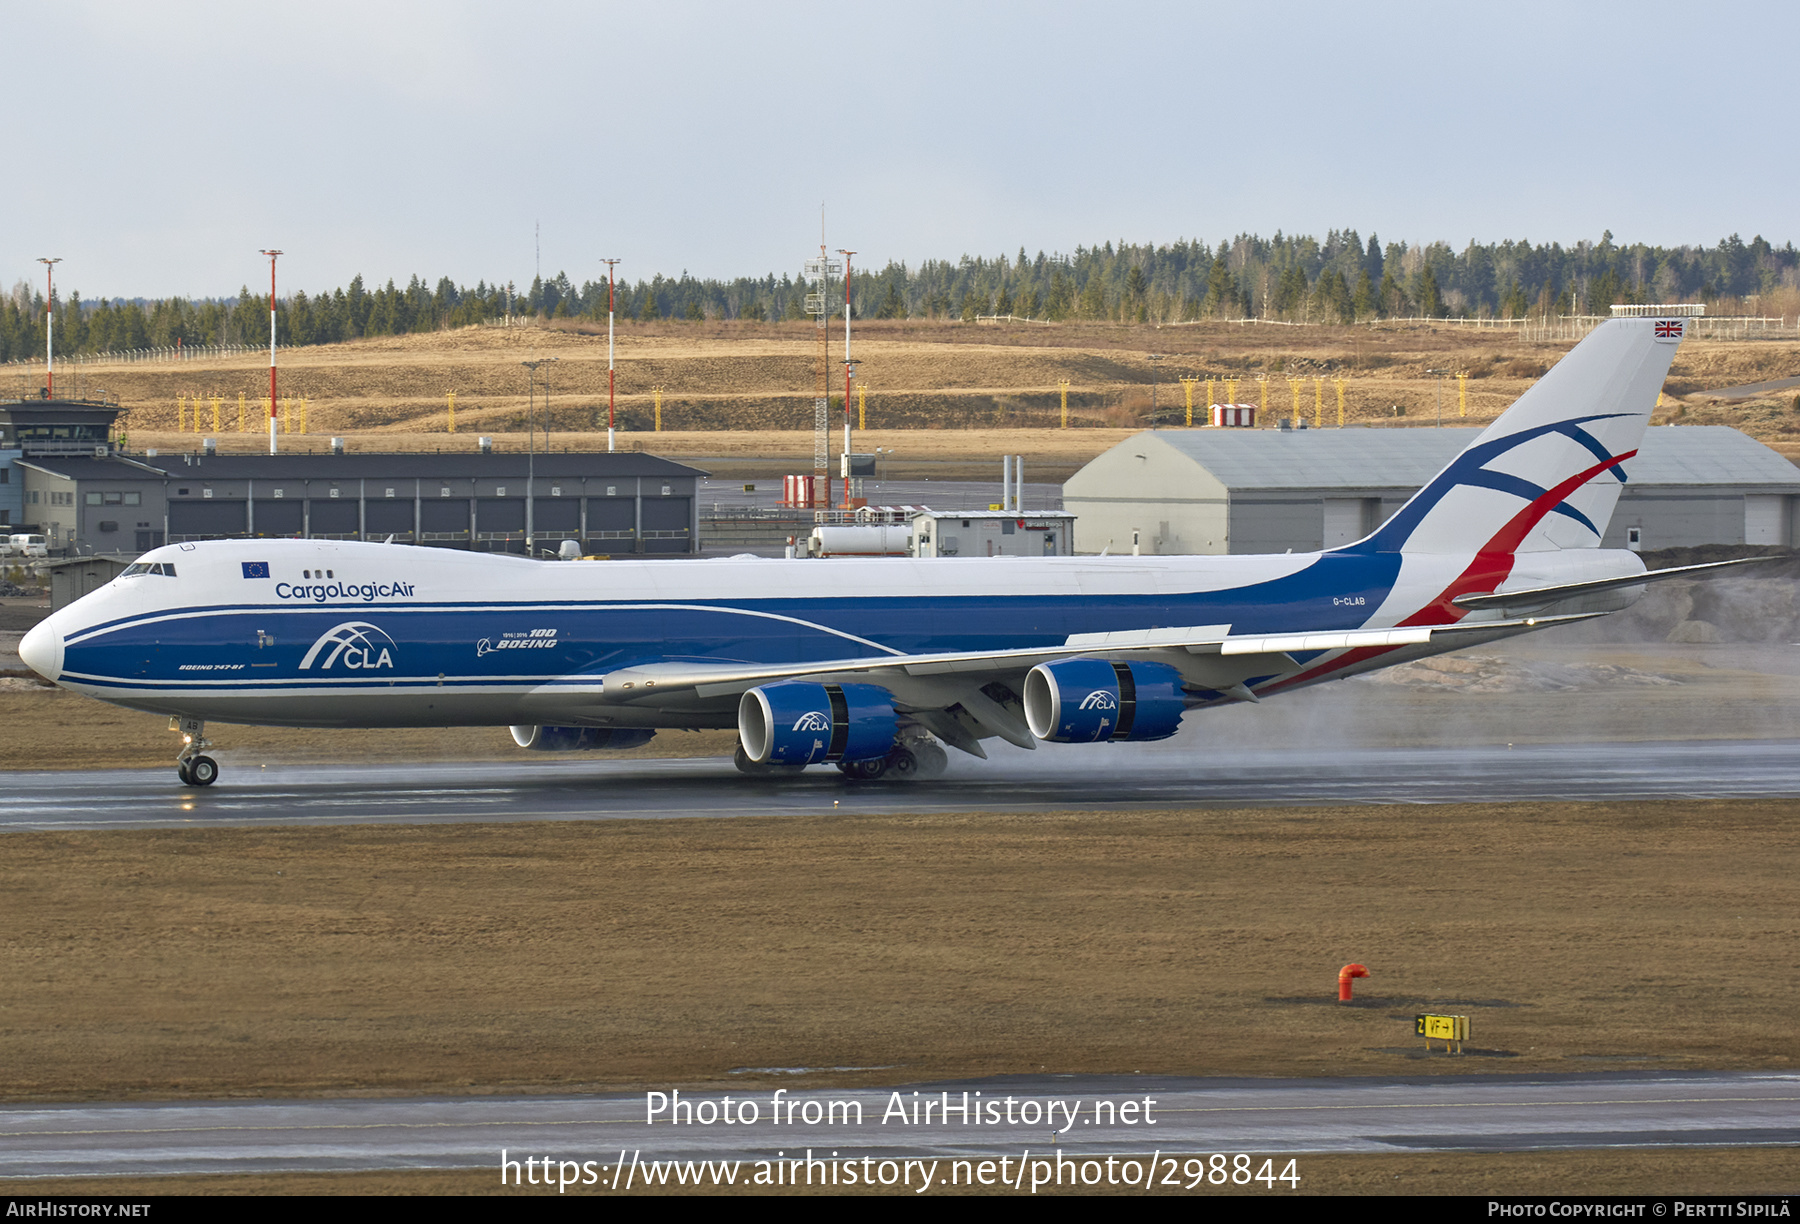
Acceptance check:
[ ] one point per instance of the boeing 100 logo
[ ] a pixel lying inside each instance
(533, 639)
(358, 645)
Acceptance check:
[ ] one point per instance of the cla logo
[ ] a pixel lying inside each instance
(813, 721)
(361, 646)
(1099, 699)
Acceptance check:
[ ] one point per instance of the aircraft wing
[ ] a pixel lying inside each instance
(965, 697)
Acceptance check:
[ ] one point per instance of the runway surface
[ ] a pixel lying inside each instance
(1057, 777)
(1093, 1117)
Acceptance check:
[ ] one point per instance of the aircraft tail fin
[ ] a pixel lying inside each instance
(1548, 473)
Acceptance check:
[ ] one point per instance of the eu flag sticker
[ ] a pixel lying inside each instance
(256, 569)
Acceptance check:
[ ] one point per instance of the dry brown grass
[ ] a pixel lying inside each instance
(759, 378)
(483, 958)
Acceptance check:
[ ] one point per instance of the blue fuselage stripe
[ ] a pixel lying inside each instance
(225, 649)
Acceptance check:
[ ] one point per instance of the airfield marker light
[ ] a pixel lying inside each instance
(303, 404)
(1344, 977)
(862, 406)
(1340, 391)
(272, 255)
(1187, 384)
(610, 264)
(658, 392)
(49, 324)
(1294, 386)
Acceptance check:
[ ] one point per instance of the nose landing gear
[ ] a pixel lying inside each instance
(193, 766)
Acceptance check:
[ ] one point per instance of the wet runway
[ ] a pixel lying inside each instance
(1057, 777)
(1076, 1117)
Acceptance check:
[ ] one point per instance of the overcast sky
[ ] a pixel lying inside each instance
(157, 147)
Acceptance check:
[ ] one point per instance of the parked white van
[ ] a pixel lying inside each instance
(27, 545)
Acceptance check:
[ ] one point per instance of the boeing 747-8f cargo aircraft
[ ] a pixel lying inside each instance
(870, 664)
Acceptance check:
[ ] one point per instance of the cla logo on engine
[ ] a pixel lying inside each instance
(360, 645)
(813, 721)
(1099, 699)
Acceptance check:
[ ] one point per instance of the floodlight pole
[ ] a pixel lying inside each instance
(610, 263)
(849, 373)
(49, 324)
(272, 414)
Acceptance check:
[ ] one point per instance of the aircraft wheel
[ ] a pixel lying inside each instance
(933, 760)
(181, 771)
(902, 764)
(863, 771)
(202, 771)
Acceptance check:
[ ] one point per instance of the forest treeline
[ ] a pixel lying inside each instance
(1302, 279)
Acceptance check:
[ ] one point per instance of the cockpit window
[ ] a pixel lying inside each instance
(166, 569)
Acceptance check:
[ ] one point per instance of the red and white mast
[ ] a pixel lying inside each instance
(849, 373)
(49, 324)
(610, 263)
(272, 415)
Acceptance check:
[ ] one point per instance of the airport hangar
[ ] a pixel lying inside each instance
(87, 496)
(1224, 490)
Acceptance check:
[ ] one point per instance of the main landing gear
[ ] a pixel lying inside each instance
(193, 766)
(906, 762)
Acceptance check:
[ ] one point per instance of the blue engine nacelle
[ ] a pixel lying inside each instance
(1084, 701)
(580, 739)
(798, 723)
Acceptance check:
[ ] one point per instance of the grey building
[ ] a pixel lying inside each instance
(992, 533)
(74, 577)
(38, 427)
(62, 474)
(612, 503)
(1269, 490)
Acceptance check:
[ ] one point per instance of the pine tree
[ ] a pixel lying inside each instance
(1093, 298)
(1430, 304)
(1221, 291)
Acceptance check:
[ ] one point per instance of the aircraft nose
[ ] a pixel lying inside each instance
(42, 650)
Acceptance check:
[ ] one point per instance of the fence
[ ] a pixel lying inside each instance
(185, 352)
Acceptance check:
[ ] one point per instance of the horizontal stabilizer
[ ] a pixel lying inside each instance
(1539, 597)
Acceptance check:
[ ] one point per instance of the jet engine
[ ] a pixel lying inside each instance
(579, 739)
(799, 723)
(1084, 701)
